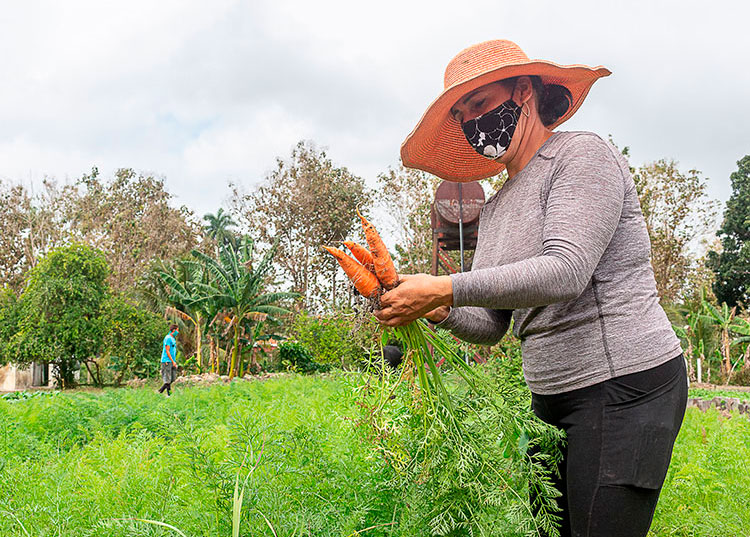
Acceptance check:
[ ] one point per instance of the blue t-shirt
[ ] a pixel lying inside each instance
(172, 344)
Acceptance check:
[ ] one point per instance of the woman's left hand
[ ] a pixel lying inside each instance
(415, 295)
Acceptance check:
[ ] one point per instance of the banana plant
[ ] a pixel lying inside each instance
(697, 333)
(723, 319)
(187, 300)
(742, 327)
(238, 287)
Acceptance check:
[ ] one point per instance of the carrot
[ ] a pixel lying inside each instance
(384, 268)
(364, 280)
(362, 255)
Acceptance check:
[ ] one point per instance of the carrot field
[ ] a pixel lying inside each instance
(100, 463)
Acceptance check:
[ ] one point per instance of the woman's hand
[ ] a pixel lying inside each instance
(415, 296)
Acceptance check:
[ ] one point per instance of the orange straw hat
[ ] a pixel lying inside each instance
(437, 144)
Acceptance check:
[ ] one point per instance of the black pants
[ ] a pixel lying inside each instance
(620, 435)
(166, 386)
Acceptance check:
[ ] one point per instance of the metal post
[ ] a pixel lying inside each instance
(461, 223)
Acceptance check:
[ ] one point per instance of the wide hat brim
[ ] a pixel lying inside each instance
(437, 144)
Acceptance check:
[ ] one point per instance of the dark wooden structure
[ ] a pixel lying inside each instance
(455, 221)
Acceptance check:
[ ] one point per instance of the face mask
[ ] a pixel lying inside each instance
(490, 133)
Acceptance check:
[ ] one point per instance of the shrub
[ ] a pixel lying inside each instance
(296, 356)
(338, 339)
(507, 362)
(741, 377)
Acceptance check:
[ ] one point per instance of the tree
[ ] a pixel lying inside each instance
(131, 220)
(742, 328)
(697, 332)
(30, 225)
(732, 264)
(407, 196)
(676, 209)
(59, 310)
(131, 339)
(239, 289)
(218, 228)
(9, 318)
(305, 202)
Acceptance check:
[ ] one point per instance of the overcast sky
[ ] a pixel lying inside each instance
(203, 93)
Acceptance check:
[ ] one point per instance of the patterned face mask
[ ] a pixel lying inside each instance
(490, 133)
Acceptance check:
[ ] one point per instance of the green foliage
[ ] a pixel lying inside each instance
(297, 357)
(182, 294)
(462, 446)
(132, 338)
(676, 210)
(23, 396)
(732, 265)
(710, 394)
(9, 319)
(87, 464)
(337, 339)
(706, 491)
(506, 362)
(60, 308)
(67, 317)
(305, 202)
(238, 286)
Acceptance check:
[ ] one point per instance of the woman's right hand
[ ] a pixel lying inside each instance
(438, 314)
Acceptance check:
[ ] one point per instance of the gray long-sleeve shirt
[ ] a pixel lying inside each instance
(563, 246)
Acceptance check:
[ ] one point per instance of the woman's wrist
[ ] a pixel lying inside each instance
(445, 286)
(438, 315)
(444, 291)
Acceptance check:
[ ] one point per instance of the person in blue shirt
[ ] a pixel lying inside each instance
(168, 357)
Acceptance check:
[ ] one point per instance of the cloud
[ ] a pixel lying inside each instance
(208, 92)
(29, 162)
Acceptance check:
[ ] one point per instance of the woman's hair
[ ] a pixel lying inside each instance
(552, 100)
(173, 327)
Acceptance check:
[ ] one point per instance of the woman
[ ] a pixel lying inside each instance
(563, 249)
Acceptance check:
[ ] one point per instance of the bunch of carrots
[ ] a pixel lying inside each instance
(372, 272)
(372, 268)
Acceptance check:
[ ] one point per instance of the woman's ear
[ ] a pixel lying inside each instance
(523, 90)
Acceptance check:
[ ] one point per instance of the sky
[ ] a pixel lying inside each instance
(207, 93)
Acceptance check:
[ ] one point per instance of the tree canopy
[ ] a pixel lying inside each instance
(59, 310)
(732, 264)
(129, 217)
(305, 202)
(677, 211)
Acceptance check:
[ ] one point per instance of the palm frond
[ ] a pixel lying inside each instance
(174, 312)
(214, 268)
(271, 310)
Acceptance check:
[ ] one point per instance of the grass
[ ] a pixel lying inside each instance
(92, 463)
(704, 393)
(707, 492)
(88, 463)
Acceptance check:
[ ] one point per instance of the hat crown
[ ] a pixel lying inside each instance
(481, 58)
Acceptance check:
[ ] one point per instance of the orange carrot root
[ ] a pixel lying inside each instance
(362, 255)
(364, 281)
(384, 268)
